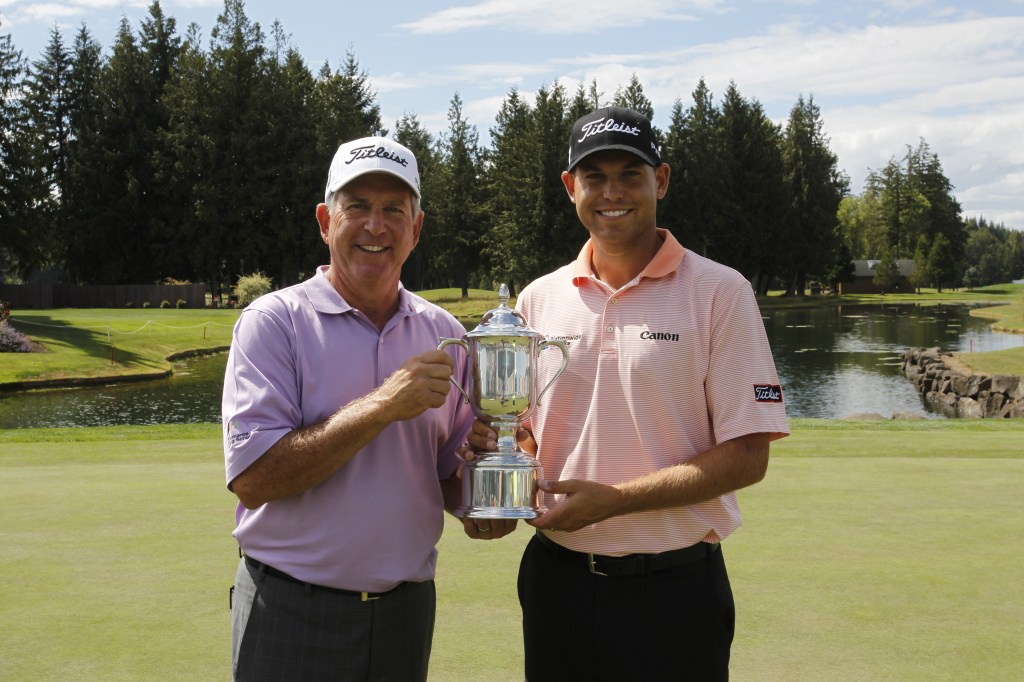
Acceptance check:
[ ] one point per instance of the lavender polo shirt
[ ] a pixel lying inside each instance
(298, 355)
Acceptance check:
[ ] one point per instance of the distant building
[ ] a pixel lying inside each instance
(864, 275)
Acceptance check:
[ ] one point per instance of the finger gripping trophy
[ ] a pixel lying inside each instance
(502, 484)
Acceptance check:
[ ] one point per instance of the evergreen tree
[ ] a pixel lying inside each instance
(887, 272)
(754, 190)
(459, 207)
(18, 248)
(941, 212)
(417, 273)
(511, 245)
(920, 277)
(344, 107)
(815, 187)
(185, 152)
(294, 179)
(942, 263)
(47, 97)
(232, 200)
(695, 207)
(556, 229)
(632, 97)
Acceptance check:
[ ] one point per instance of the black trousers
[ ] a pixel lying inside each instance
(677, 624)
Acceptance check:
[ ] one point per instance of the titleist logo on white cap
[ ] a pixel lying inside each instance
(372, 155)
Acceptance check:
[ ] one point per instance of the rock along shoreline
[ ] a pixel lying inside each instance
(950, 388)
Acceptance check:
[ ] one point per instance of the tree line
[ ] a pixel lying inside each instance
(175, 158)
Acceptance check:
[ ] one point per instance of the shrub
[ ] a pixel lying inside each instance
(180, 303)
(145, 304)
(251, 287)
(165, 303)
(5, 311)
(128, 304)
(11, 340)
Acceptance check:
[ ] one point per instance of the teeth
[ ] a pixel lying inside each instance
(614, 214)
(372, 249)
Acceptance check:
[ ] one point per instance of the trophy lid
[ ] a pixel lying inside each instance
(503, 320)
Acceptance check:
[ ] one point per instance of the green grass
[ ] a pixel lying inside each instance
(96, 343)
(872, 550)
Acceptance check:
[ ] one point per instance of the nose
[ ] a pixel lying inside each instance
(612, 189)
(375, 223)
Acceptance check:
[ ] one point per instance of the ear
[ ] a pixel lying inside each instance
(661, 175)
(323, 218)
(569, 180)
(417, 227)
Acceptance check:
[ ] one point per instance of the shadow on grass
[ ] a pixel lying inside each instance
(94, 342)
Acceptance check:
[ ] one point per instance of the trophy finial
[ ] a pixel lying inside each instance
(503, 294)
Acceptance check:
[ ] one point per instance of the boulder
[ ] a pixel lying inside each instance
(969, 408)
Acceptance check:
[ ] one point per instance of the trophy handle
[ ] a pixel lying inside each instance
(565, 362)
(465, 347)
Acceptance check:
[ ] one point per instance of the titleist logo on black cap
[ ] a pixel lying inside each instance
(605, 125)
(370, 152)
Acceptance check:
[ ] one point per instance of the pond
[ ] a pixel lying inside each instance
(832, 362)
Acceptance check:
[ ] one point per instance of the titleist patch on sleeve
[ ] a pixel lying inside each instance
(767, 393)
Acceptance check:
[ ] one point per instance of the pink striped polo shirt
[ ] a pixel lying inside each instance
(659, 371)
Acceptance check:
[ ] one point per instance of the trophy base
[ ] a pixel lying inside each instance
(501, 486)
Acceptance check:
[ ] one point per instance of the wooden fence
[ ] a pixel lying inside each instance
(42, 296)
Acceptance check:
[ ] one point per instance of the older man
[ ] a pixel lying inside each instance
(340, 438)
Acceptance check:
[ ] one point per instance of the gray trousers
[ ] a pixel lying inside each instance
(286, 631)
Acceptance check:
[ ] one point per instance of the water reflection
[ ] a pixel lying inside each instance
(190, 396)
(832, 362)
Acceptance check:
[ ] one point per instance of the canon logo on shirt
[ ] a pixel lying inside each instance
(659, 336)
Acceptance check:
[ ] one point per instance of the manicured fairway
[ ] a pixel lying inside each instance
(877, 550)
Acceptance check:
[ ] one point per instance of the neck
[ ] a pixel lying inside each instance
(617, 265)
(378, 304)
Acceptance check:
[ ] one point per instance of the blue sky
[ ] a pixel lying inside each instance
(885, 73)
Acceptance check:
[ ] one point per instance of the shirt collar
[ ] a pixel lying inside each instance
(665, 261)
(326, 299)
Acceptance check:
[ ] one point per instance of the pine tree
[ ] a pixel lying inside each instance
(815, 188)
(417, 273)
(459, 208)
(18, 248)
(510, 244)
(47, 98)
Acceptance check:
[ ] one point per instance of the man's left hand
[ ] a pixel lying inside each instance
(585, 503)
(488, 529)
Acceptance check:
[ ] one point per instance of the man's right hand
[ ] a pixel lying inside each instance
(420, 383)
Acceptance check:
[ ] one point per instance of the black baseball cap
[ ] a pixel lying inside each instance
(613, 128)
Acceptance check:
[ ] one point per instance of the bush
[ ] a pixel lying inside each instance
(128, 304)
(165, 303)
(251, 287)
(145, 304)
(11, 340)
(180, 303)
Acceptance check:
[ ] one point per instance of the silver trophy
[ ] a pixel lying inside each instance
(502, 484)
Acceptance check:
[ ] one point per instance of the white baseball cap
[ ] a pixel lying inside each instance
(372, 155)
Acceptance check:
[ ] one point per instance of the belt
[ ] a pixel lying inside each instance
(271, 571)
(632, 564)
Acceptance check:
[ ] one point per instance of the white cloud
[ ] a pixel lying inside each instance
(566, 16)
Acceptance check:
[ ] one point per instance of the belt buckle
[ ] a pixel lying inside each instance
(593, 567)
(365, 596)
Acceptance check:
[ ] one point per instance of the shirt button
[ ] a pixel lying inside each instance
(609, 329)
(615, 300)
